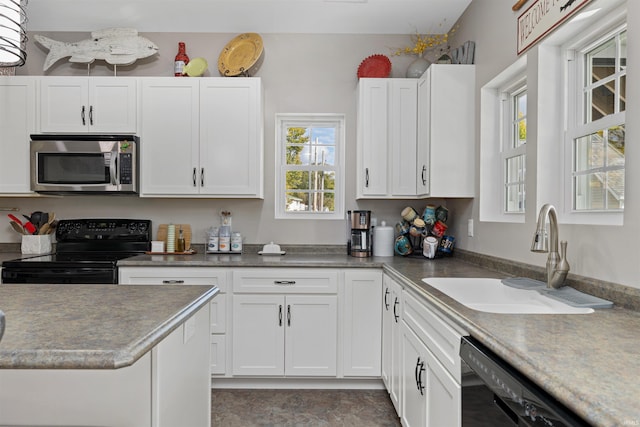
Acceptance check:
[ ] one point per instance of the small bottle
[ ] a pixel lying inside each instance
(236, 242)
(224, 241)
(180, 244)
(181, 60)
(212, 240)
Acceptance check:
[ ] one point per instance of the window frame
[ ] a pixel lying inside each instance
(282, 122)
(492, 139)
(577, 125)
(509, 149)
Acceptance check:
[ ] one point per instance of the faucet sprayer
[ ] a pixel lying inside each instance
(557, 265)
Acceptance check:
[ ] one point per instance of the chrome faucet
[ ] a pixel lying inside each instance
(557, 265)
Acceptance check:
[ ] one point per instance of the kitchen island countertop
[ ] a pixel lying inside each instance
(91, 326)
(589, 362)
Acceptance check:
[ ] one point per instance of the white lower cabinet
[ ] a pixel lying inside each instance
(391, 324)
(361, 297)
(285, 322)
(292, 335)
(431, 367)
(192, 276)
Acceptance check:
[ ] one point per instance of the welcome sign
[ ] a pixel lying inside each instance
(542, 17)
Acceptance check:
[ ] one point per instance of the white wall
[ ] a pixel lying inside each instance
(606, 252)
(300, 73)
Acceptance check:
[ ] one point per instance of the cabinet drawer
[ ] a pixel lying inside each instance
(290, 280)
(440, 336)
(174, 276)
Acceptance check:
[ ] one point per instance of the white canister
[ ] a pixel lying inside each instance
(224, 239)
(383, 240)
(213, 240)
(236, 242)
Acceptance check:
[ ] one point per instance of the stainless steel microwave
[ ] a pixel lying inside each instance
(92, 164)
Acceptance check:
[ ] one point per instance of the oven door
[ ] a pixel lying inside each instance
(60, 275)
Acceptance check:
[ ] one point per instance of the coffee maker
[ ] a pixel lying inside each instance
(360, 242)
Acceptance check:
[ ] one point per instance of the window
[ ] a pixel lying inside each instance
(503, 141)
(596, 130)
(310, 166)
(514, 139)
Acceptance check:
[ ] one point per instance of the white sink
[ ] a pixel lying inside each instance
(492, 296)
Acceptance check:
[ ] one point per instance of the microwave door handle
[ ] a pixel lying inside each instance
(113, 168)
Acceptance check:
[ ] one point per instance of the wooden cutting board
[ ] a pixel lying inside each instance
(186, 232)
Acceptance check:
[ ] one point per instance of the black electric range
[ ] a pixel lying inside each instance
(87, 252)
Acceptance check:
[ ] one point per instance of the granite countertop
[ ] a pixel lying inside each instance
(91, 326)
(589, 362)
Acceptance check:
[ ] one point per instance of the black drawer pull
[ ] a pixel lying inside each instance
(284, 282)
(173, 282)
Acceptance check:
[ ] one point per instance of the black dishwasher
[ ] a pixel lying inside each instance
(502, 396)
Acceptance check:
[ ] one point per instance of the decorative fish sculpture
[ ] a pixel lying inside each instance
(116, 46)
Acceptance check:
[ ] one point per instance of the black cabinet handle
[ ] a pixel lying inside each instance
(284, 282)
(280, 315)
(84, 122)
(195, 177)
(288, 314)
(386, 304)
(424, 175)
(395, 313)
(91, 115)
(366, 177)
(419, 371)
(173, 282)
(202, 177)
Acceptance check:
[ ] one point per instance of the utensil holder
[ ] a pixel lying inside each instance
(37, 244)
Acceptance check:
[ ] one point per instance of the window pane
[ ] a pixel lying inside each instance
(602, 61)
(623, 51)
(515, 198)
(623, 93)
(311, 146)
(514, 187)
(515, 169)
(589, 152)
(297, 180)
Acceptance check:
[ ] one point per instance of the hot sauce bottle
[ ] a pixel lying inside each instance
(181, 60)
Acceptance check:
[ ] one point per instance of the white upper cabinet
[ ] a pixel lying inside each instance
(416, 136)
(446, 130)
(202, 137)
(88, 105)
(17, 122)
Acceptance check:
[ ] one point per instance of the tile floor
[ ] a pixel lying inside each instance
(302, 408)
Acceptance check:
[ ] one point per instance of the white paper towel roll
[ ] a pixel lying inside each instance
(383, 240)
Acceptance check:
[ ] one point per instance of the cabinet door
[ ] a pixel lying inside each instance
(362, 327)
(413, 380)
(444, 401)
(112, 105)
(169, 139)
(311, 335)
(372, 138)
(423, 154)
(450, 130)
(258, 334)
(231, 137)
(64, 104)
(391, 345)
(403, 114)
(17, 122)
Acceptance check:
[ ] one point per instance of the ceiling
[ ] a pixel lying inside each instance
(239, 16)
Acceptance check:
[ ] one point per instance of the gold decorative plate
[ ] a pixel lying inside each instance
(240, 54)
